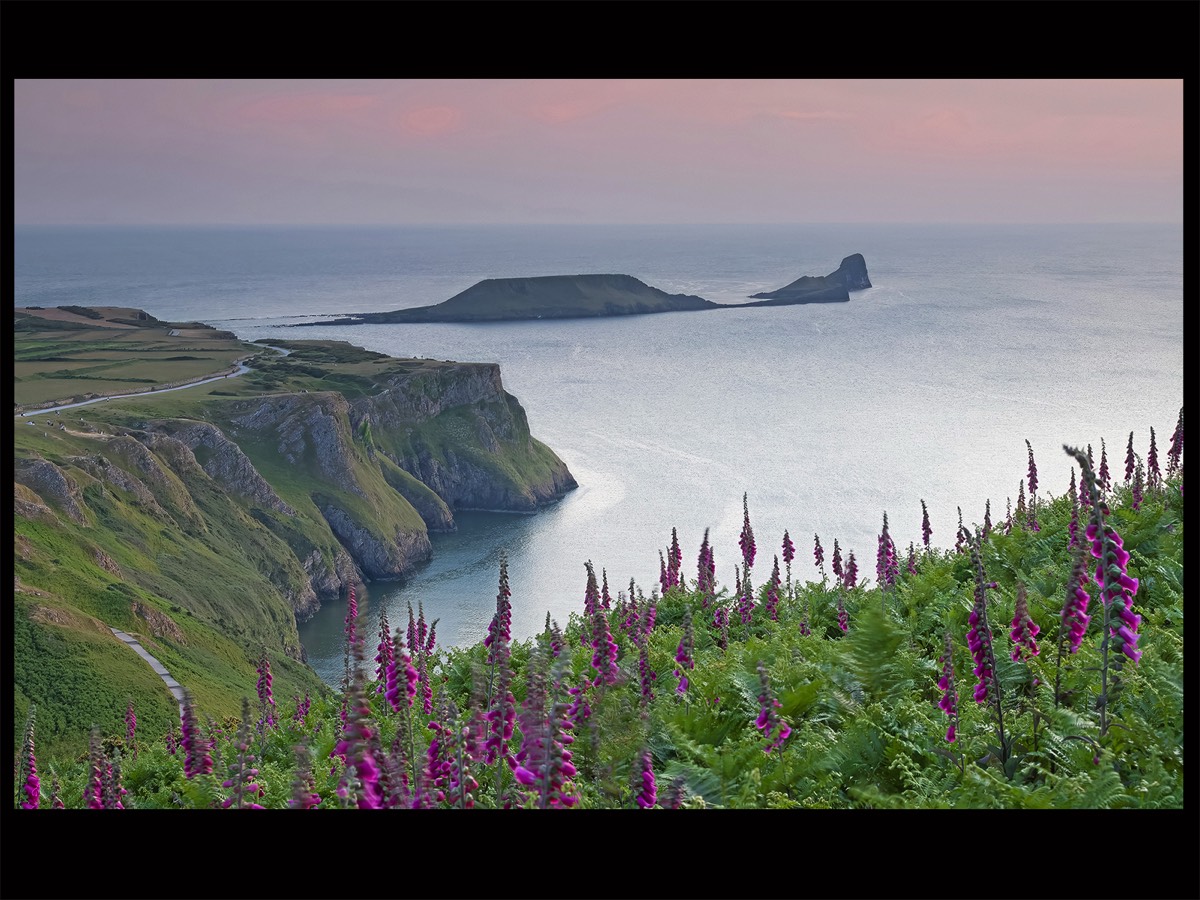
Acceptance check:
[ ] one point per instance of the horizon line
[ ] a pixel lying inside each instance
(956, 222)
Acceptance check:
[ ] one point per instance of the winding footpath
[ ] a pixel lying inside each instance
(174, 686)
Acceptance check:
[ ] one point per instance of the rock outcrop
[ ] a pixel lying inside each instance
(851, 275)
(53, 486)
(224, 462)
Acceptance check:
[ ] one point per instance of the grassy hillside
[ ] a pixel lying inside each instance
(207, 521)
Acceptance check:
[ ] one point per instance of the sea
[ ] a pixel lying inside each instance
(819, 419)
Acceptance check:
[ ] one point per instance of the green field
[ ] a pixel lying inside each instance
(62, 357)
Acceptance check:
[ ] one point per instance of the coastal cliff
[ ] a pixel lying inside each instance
(212, 522)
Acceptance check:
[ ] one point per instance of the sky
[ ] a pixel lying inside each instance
(498, 151)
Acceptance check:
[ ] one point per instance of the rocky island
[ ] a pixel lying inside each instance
(587, 296)
(851, 275)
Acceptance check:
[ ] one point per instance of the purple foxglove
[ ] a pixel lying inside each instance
(746, 539)
(1024, 630)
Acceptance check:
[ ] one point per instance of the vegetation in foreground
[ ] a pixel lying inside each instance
(1036, 664)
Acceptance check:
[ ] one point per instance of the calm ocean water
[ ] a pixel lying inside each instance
(924, 387)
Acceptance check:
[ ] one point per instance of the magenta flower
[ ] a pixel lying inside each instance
(302, 708)
(746, 599)
(196, 760)
(721, 624)
(647, 795)
(1032, 522)
(1074, 612)
(543, 762)
(1175, 452)
(838, 573)
(1117, 589)
(987, 519)
(706, 573)
(554, 636)
(400, 674)
(304, 786)
(789, 549)
(448, 761)
(746, 539)
(591, 600)
(241, 771)
(674, 560)
(422, 645)
(110, 785)
(674, 794)
(1105, 482)
(926, 531)
(842, 617)
(1152, 470)
(499, 631)
(605, 651)
(56, 801)
(265, 697)
(360, 782)
(604, 648)
(649, 611)
(1136, 490)
(851, 572)
(32, 787)
(886, 566)
(979, 637)
(818, 553)
(772, 601)
(949, 700)
(1024, 630)
(768, 722)
(93, 789)
(384, 654)
(683, 653)
(646, 675)
(605, 596)
(912, 559)
(1129, 460)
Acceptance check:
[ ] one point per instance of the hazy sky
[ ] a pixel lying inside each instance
(609, 151)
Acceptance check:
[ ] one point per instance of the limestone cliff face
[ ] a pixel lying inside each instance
(224, 462)
(52, 485)
(320, 490)
(456, 430)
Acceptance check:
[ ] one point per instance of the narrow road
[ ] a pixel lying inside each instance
(175, 687)
(242, 369)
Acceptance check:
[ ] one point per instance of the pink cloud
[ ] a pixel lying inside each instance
(431, 120)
